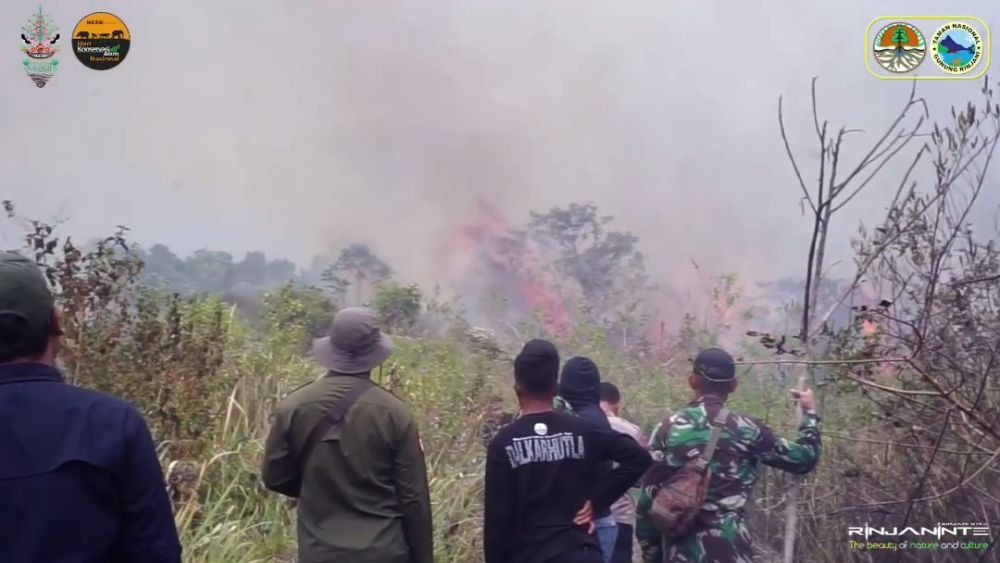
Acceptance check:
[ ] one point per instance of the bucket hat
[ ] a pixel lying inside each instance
(354, 344)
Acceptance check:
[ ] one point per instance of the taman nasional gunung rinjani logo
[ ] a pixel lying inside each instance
(38, 42)
(957, 47)
(899, 47)
(101, 41)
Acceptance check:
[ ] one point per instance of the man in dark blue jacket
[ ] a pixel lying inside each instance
(580, 386)
(79, 478)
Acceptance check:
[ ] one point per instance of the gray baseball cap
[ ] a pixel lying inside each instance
(24, 292)
(355, 344)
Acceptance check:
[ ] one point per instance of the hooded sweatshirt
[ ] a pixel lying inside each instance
(579, 386)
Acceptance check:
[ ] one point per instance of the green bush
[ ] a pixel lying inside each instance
(397, 306)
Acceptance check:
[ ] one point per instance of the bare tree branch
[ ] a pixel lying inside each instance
(960, 283)
(791, 157)
(964, 482)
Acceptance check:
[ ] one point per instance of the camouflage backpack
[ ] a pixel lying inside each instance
(678, 500)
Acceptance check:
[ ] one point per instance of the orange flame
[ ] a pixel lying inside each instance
(477, 250)
(868, 327)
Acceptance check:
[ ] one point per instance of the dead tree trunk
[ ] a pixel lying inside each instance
(832, 193)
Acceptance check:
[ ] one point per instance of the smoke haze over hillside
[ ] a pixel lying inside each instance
(296, 127)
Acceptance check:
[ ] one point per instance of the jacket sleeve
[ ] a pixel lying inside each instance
(498, 518)
(148, 533)
(798, 457)
(633, 460)
(280, 472)
(636, 434)
(413, 495)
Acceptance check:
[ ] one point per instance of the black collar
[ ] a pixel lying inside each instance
(28, 371)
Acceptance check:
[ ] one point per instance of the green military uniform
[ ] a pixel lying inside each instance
(364, 496)
(558, 404)
(720, 535)
(561, 405)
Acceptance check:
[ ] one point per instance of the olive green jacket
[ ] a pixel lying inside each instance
(364, 496)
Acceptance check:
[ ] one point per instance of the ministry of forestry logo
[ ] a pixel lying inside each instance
(38, 42)
(899, 47)
(957, 47)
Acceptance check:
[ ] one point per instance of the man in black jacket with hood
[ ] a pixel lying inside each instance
(542, 473)
(580, 387)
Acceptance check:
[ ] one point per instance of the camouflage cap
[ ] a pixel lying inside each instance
(24, 293)
(715, 364)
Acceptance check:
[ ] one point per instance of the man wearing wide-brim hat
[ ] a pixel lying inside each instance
(350, 452)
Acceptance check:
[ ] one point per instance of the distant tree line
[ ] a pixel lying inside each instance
(213, 271)
(596, 273)
(356, 277)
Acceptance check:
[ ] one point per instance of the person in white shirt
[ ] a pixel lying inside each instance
(623, 510)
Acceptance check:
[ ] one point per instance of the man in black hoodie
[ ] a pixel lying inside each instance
(541, 472)
(580, 386)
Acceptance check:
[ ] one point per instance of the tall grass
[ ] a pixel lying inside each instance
(208, 382)
(224, 514)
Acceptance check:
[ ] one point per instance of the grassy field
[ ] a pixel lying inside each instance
(207, 380)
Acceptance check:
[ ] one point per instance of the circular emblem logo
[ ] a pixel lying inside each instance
(101, 41)
(957, 47)
(541, 429)
(899, 47)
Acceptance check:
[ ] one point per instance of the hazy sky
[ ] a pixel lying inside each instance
(294, 126)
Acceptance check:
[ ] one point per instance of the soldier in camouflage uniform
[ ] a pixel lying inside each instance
(561, 405)
(720, 533)
(558, 404)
